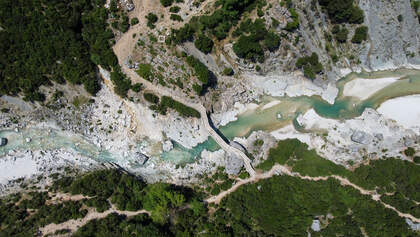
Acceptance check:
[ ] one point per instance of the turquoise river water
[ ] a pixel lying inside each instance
(259, 119)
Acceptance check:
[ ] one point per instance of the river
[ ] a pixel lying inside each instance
(283, 112)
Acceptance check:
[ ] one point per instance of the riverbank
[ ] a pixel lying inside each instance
(404, 110)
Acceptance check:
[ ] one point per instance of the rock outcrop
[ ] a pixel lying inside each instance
(361, 137)
(234, 164)
(393, 42)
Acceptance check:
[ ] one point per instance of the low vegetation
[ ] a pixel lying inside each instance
(151, 20)
(251, 34)
(152, 98)
(343, 11)
(204, 44)
(360, 35)
(310, 65)
(204, 75)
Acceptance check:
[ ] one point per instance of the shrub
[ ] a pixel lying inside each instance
(342, 11)
(201, 71)
(183, 110)
(151, 20)
(134, 21)
(152, 98)
(228, 71)
(198, 89)
(176, 17)
(101, 204)
(272, 41)
(310, 65)
(249, 48)
(204, 44)
(293, 25)
(146, 71)
(410, 151)
(341, 35)
(175, 9)
(360, 35)
(121, 82)
(166, 3)
(137, 87)
(183, 34)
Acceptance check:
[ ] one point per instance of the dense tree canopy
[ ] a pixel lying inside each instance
(46, 41)
(310, 65)
(343, 11)
(204, 44)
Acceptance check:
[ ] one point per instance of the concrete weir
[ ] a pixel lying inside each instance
(201, 109)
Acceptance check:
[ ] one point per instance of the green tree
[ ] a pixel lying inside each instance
(204, 44)
(360, 35)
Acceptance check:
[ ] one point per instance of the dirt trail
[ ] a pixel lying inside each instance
(280, 169)
(73, 225)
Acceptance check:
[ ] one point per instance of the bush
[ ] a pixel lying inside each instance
(341, 35)
(410, 151)
(101, 204)
(166, 3)
(175, 9)
(310, 65)
(134, 21)
(176, 17)
(360, 35)
(201, 71)
(146, 71)
(151, 20)
(342, 11)
(183, 110)
(272, 41)
(137, 87)
(183, 34)
(293, 25)
(152, 98)
(228, 71)
(198, 89)
(204, 44)
(121, 82)
(249, 48)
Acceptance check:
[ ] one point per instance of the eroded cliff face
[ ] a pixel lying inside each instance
(394, 41)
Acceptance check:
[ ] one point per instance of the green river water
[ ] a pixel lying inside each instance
(258, 119)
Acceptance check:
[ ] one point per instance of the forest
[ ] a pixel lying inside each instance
(278, 206)
(61, 42)
(216, 26)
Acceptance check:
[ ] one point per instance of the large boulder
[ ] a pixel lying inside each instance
(316, 225)
(3, 141)
(167, 146)
(361, 137)
(234, 164)
(141, 158)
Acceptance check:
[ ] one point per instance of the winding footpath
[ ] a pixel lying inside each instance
(280, 169)
(135, 78)
(73, 225)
